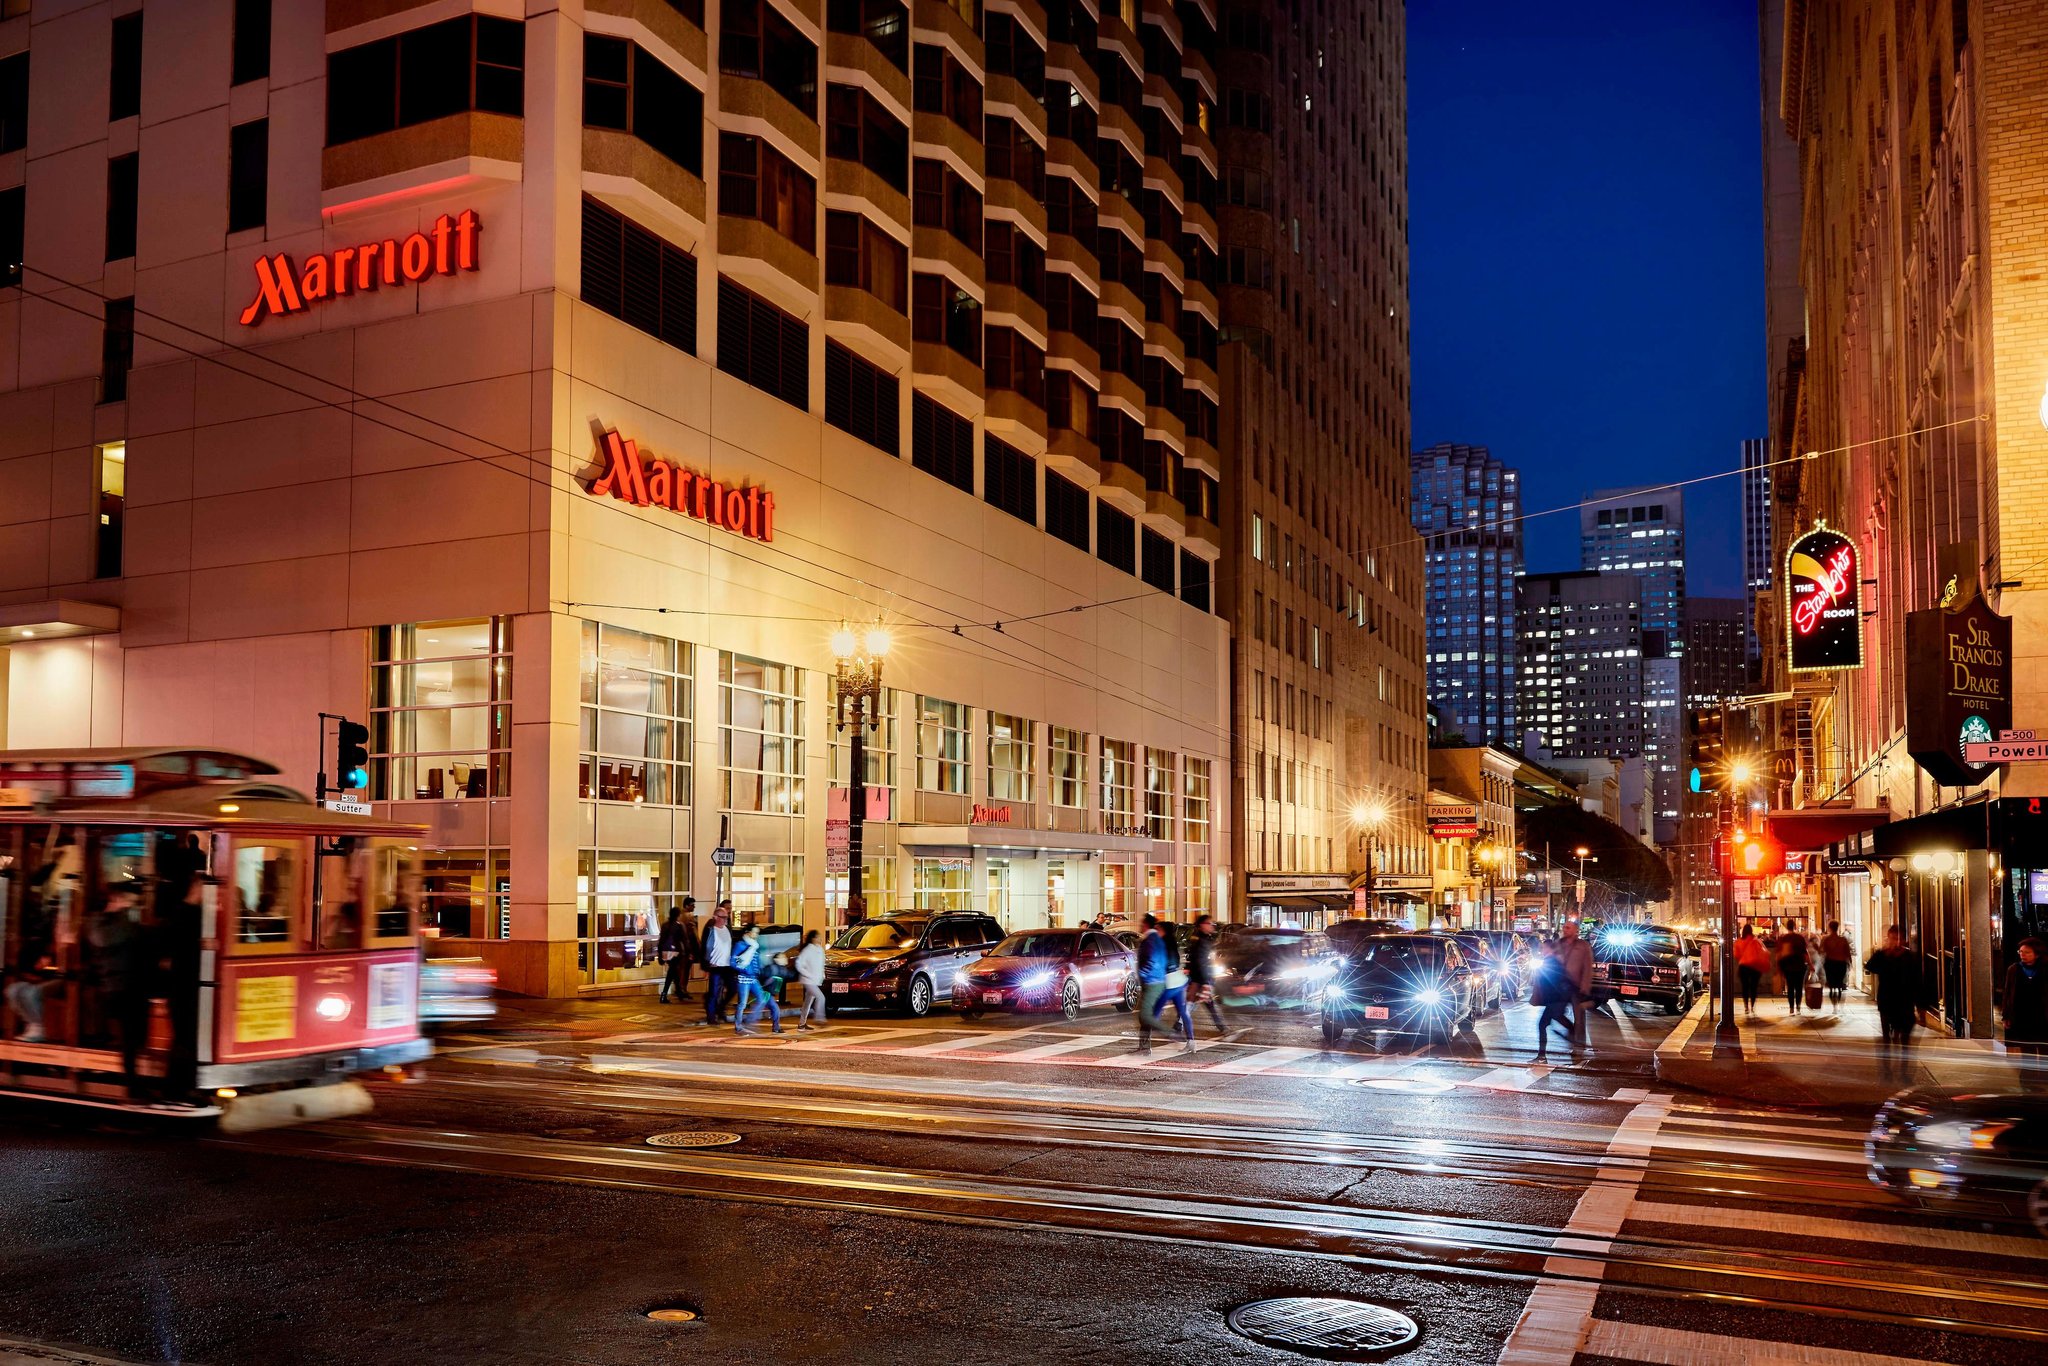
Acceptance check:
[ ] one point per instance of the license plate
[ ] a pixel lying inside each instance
(992, 998)
(1631, 991)
(839, 986)
(1375, 1012)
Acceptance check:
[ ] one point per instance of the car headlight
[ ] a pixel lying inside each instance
(1625, 939)
(1959, 1134)
(1034, 980)
(1430, 996)
(1334, 992)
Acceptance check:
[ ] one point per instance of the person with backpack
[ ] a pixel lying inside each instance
(749, 965)
(1835, 953)
(1153, 970)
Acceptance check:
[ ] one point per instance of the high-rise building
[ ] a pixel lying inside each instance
(1467, 508)
(1715, 646)
(542, 391)
(1641, 532)
(1757, 575)
(1579, 672)
(1323, 577)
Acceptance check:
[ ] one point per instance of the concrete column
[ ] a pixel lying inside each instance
(546, 819)
(1979, 898)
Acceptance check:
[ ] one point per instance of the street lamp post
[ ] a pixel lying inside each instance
(857, 670)
(1727, 1037)
(1369, 817)
(1584, 856)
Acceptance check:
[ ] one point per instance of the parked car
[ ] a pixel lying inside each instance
(907, 960)
(1403, 983)
(1971, 1152)
(1282, 966)
(1049, 969)
(457, 990)
(1494, 972)
(1645, 963)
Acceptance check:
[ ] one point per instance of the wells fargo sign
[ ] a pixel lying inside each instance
(1958, 687)
(745, 511)
(1823, 602)
(447, 248)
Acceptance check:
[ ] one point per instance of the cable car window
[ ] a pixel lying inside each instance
(265, 883)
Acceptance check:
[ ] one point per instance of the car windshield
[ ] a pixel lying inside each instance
(881, 934)
(1637, 939)
(1036, 946)
(1397, 953)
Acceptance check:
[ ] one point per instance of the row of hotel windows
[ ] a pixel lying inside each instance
(441, 707)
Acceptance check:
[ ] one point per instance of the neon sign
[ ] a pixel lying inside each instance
(447, 248)
(743, 510)
(1823, 602)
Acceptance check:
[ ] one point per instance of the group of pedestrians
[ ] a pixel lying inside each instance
(1561, 982)
(1169, 977)
(740, 975)
(1794, 955)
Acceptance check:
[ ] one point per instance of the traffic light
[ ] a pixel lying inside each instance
(1705, 749)
(351, 758)
(1751, 854)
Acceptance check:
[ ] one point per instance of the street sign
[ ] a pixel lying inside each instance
(2006, 751)
(347, 806)
(723, 857)
(838, 847)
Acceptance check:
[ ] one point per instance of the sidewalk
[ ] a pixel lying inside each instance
(1828, 1057)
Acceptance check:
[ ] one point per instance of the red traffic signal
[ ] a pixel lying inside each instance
(1751, 854)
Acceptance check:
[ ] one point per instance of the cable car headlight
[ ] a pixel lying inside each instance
(333, 1009)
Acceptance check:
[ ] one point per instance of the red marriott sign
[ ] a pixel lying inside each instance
(447, 248)
(744, 511)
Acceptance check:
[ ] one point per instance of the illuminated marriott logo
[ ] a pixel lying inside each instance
(745, 511)
(450, 246)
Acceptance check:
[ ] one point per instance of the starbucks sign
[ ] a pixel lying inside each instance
(1958, 687)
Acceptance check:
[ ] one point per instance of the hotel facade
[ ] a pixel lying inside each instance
(544, 390)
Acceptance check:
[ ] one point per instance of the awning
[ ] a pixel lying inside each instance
(56, 619)
(2017, 827)
(1817, 827)
(1301, 901)
(958, 839)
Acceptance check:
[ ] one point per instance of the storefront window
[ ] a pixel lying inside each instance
(878, 884)
(999, 890)
(1159, 890)
(879, 749)
(1119, 783)
(943, 748)
(1012, 745)
(1195, 802)
(1056, 891)
(1118, 901)
(622, 900)
(1159, 793)
(441, 723)
(762, 714)
(638, 704)
(1200, 896)
(1068, 771)
(767, 887)
(942, 884)
(466, 893)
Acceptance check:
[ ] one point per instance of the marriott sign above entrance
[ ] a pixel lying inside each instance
(447, 248)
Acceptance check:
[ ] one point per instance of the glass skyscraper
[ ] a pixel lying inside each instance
(1467, 508)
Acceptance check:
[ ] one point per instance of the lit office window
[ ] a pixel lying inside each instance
(638, 705)
(1012, 747)
(441, 719)
(761, 723)
(944, 753)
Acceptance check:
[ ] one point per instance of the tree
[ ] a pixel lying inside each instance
(1628, 866)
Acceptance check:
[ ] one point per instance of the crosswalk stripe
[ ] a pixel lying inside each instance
(946, 1045)
(1053, 1050)
(1842, 1155)
(1264, 1061)
(850, 1038)
(1808, 1130)
(1647, 1342)
(1519, 1078)
(1845, 1230)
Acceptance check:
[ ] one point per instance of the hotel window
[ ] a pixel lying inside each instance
(122, 188)
(862, 256)
(1015, 364)
(1159, 793)
(1116, 538)
(941, 442)
(124, 72)
(1066, 510)
(638, 704)
(1013, 52)
(944, 752)
(756, 40)
(942, 884)
(113, 501)
(1009, 479)
(250, 53)
(884, 23)
(1013, 155)
(117, 349)
(761, 720)
(637, 277)
(440, 710)
(628, 89)
(1258, 537)
(1200, 896)
(878, 750)
(1119, 783)
(14, 102)
(946, 315)
(941, 198)
(622, 898)
(1194, 809)
(1012, 258)
(248, 175)
(860, 128)
(1070, 404)
(941, 85)
(474, 62)
(13, 226)
(1067, 769)
(1157, 565)
(756, 181)
(764, 346)
(1012, 747)
(1194, 580)
(862, 400)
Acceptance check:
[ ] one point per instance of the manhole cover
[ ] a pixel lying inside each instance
(1342, 1329)
(1414, 1085)
(692, 1138)
(676, 1315)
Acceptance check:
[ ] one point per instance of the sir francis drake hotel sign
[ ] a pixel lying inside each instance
(743, 510)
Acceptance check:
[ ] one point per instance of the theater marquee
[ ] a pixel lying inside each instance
(1823, 602)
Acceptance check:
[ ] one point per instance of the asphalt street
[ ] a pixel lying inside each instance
(1001, 1191)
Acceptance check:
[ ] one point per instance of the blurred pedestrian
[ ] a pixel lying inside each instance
(748, 965)
(124, 967)
(1152, 971)
(721, 984)
(1752, 960)
(2025, 1004)
(1575, 961)
(810, 974)
(1176, 992)
(670, 949)
(1202, 971)
(1792, 956)
(1548, 989)
(1897, 970)
(1835, 953)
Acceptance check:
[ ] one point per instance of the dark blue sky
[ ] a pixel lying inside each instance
(1585, 237)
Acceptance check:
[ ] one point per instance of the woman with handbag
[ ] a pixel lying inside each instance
(673, 950)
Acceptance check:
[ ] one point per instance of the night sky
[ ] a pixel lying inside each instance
(1586, 240)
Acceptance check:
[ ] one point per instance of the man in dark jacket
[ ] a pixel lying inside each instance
(1202, 970)
(2025, 1003)
(1897, 970)
(678, 949)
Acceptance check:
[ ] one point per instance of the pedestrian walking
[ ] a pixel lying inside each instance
(124, 967)
(748, 965)
(810, 975)
(1152, 972)
(721, 983)
(1202, 971)
(1835, 954)
(1792, 956)
(2025, 1003)
(1548, 989)
(1752, 960)
(670, 949)
(1176, 992)
(1575, 961)
(1897, 970)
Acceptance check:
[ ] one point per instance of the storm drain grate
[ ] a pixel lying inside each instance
(693, 1138)
(1420, 1086)
(1341, 1329)
(673, 1314)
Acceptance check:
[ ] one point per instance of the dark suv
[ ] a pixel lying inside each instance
(908, 960)
(1645, 963)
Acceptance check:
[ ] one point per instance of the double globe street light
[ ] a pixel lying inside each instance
(857, 655)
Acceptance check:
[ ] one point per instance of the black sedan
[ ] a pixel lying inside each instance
(1982, 1152)
(1403, 983)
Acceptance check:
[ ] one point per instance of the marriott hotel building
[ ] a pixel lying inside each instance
(542, 391)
